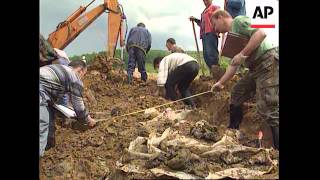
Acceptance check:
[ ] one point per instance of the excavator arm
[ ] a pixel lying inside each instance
(69, 29)
(114, 27)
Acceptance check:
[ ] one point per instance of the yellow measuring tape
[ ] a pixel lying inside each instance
(136, 112)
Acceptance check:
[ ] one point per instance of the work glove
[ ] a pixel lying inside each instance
(238, 59)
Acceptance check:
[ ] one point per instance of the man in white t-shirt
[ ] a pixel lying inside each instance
(176, 69)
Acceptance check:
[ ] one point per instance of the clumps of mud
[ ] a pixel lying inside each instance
(95, 153)
(203, 130)
(97, 149)
(111, 69)
(179, 156)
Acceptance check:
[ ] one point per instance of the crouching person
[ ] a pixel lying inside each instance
(55, 81)
(176, 69)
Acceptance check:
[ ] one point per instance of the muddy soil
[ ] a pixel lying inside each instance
(92, 153)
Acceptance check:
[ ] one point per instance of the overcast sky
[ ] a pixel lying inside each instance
(163, 18)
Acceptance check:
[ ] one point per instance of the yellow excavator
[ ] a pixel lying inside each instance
(78, 21)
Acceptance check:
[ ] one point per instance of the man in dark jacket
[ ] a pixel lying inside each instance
(138, 45)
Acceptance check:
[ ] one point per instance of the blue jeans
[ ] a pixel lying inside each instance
(46, 121)
(210, 49)
(136, 55)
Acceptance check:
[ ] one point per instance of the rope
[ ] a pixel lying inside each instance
(136, 112)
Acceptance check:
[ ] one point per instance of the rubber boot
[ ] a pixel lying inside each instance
(275, 135)
(144, 76)
(236, 116)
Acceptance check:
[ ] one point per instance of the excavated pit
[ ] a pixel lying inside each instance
(93, 153)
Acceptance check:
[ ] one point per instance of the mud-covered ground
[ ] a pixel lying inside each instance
(92, 153)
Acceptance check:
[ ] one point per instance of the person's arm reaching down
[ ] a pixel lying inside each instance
(231, 71)
(149, 42)
(128, 38)
(163, 73)
(78, 105)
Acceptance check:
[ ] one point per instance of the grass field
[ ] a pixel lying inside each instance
(149, 59)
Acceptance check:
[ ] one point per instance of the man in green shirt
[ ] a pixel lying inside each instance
(262, 59)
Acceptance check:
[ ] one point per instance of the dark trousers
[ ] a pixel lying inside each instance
(182, 76)
(136, 55)
(210, 49)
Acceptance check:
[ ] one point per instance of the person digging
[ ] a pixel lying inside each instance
(55, 81)
(262, 59)
(176, 69)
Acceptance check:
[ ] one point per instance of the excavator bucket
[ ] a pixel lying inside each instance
(114, 24)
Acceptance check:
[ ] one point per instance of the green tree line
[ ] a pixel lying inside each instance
(149, 58)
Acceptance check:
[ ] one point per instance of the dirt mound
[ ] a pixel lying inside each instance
(82, 153)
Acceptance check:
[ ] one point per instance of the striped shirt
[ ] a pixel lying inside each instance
(170, 63)
(57, 80)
